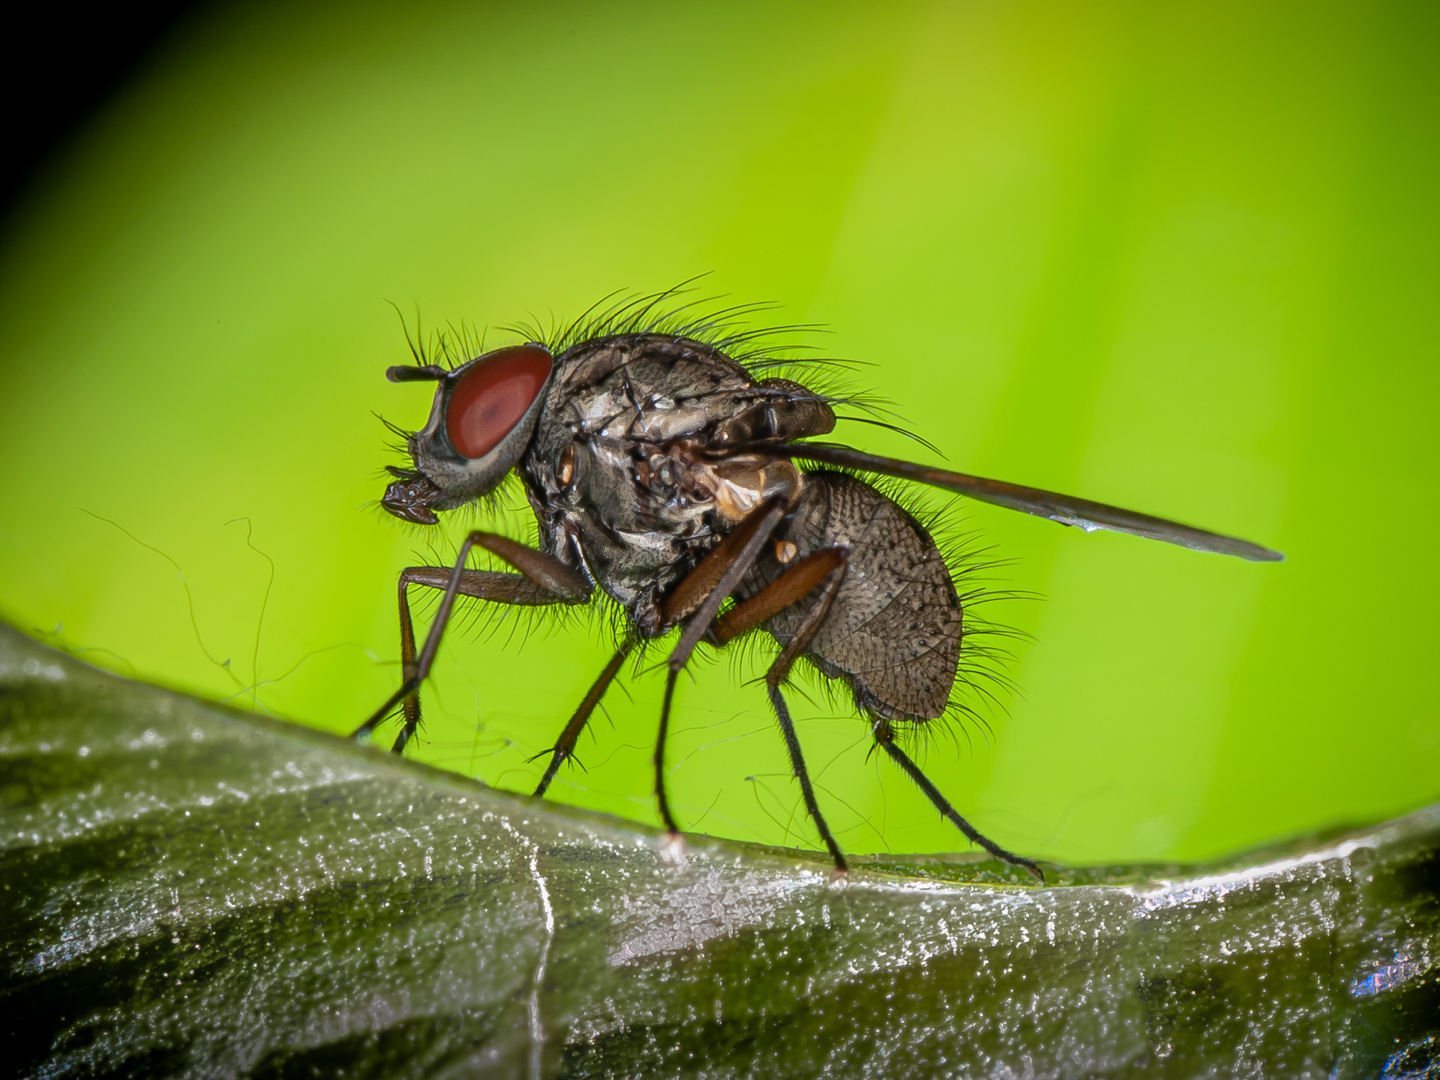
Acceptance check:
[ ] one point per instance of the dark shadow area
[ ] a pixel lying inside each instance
(62, 63)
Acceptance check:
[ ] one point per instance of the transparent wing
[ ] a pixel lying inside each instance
(1066, 509)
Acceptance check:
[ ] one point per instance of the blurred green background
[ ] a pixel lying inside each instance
(1179, 257)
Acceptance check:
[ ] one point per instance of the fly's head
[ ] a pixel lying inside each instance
(480, 423)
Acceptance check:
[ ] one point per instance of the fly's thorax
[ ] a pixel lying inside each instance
(778, 410)
(639, 458)
(680, 491)
(642, 515)
(658, 388)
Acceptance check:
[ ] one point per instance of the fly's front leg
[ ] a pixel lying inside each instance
(700, 596)
(885, 737)
(480, 584)
(542, 580)
(824, 569)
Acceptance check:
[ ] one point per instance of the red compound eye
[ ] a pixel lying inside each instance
(493, 395)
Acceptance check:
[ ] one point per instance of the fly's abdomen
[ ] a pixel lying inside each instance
(893, 631)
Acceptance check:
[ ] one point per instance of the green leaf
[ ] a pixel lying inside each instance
(191, 890)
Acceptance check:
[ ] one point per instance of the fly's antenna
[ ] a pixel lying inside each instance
(423, 370)
(422, 373)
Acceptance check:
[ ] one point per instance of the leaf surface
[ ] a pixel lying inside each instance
(189, 890)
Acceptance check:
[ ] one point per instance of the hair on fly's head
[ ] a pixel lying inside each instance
(446, 348)
(401, 448)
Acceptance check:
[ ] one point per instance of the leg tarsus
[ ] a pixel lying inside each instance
(660, 795)
(406, 688)
(797, 767)
(672, 849)
(564, 748)
(886, 739)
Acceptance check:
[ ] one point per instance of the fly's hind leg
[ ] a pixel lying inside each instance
(824, 569)
(542, 581)
(885, 738)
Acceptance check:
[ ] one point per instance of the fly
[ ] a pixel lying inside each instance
(672, 477)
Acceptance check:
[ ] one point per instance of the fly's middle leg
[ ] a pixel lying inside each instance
(564, 747)
(700, 596)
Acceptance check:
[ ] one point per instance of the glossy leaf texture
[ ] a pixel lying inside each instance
(189, 890)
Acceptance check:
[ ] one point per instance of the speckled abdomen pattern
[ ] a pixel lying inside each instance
(893, 632)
